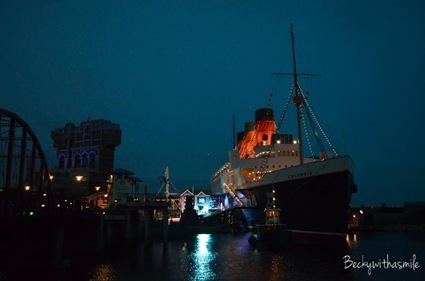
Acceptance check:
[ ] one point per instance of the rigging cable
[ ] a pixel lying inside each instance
(307, 135)
(317, 122)
(288, 100)
(316, 134)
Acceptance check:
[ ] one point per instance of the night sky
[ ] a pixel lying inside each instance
(173, 73)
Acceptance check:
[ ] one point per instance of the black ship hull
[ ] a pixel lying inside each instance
(314, 206)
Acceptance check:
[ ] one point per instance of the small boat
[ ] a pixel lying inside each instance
(272, 235)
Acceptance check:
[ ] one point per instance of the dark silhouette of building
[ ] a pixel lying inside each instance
(85, 156)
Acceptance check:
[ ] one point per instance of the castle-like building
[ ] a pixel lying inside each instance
(85, 156)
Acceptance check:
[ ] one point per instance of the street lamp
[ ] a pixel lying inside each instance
(77, 199)
(80, 178)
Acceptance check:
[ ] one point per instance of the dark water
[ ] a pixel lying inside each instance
(230, 257)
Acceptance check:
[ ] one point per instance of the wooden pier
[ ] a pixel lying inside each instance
(132, 208)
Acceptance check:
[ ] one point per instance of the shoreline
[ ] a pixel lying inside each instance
(390, 227)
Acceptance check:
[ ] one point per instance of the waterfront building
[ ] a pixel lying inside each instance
(201, 201)
(125, 187)
(411, 216)
(183, 198)
(85, 158)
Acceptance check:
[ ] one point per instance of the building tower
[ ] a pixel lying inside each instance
(85, 156)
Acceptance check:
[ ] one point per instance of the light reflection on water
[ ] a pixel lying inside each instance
(202, 259)
(277, 264)
(103, 273)
(230, 257)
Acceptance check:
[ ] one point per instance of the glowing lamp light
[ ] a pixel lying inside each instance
(79, 178)
(27, 187)
(294, 142)
(97, 188)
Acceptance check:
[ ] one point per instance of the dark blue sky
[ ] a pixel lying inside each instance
(173, 73)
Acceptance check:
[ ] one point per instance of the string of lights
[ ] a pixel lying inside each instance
(307, 135)
(317, 122)
(288, 100)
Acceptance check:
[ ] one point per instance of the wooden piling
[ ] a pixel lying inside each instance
(148, 228)
(165, 229)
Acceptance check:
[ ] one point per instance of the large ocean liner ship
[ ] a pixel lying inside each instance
(268, 169)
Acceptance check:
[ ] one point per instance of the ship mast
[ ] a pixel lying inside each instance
(298, 100)
(167, 184)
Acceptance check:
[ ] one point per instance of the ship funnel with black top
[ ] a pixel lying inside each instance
(265, 125)
(247, 144)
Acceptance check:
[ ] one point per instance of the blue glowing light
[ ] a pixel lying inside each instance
(204, 258)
